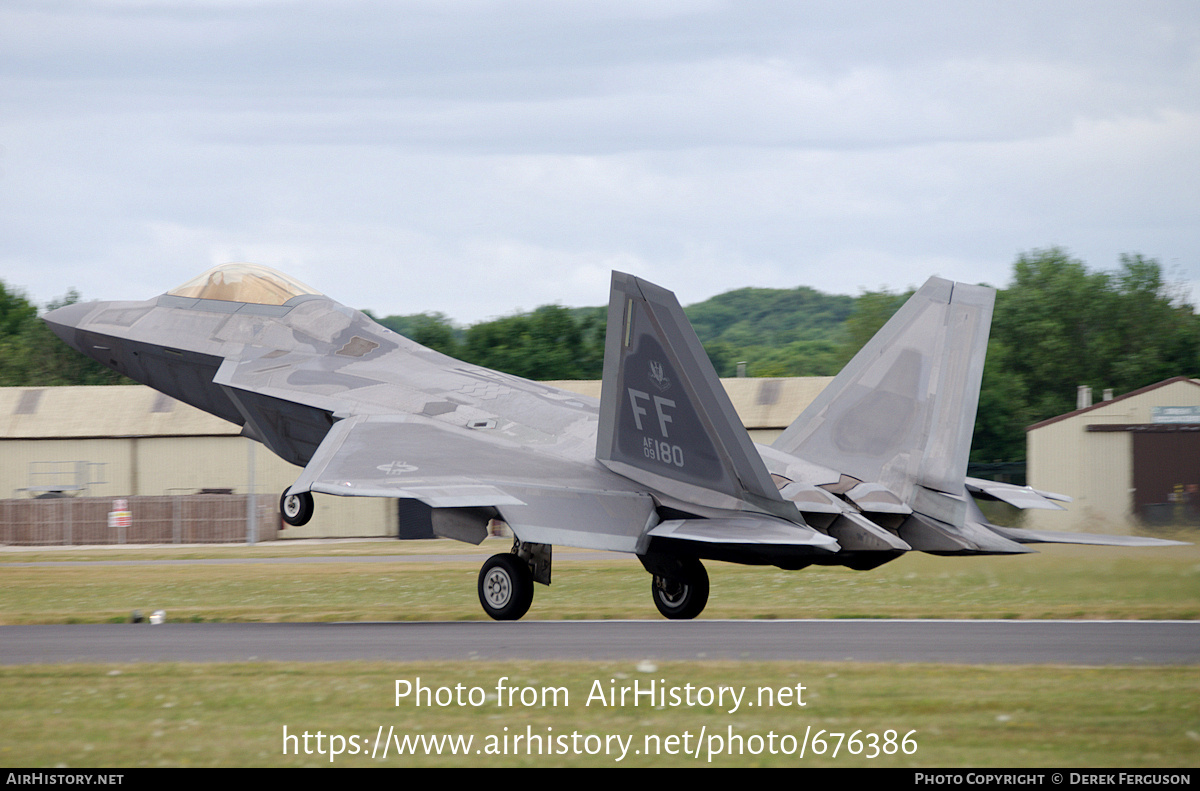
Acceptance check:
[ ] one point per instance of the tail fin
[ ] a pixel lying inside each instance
(901, 413)
(665, 419)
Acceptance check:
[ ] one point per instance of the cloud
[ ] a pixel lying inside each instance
(476, 157)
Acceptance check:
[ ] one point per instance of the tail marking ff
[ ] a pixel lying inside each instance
(665, 419)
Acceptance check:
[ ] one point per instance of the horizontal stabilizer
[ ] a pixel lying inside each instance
(1018, 496)
(1096, 539)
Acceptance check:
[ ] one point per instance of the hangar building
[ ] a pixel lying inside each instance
(1132, 460)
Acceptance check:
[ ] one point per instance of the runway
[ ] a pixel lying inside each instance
(1091, 643)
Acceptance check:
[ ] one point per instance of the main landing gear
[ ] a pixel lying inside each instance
(506, 580)
(296, 509)
(505, 587)
(682, 595)
(679, 586)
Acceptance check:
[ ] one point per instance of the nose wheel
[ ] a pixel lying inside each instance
(505, 587)
(296, 509)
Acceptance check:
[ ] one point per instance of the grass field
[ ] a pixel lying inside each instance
(234, 714)
(1059, 582)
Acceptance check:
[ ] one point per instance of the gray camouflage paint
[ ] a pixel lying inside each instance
(874, 467)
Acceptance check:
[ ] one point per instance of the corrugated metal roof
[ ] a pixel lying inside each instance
(138, 411)
(1104, 404)
(101, 411)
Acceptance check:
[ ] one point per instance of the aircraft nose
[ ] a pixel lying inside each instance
(65, 320)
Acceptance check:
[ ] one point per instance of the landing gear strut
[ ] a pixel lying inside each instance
(296, 509)
(505, 587)
(682, 597)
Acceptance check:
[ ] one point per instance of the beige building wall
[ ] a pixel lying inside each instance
(135, 466)
(19, 457)
(225, 463)
(1095, 467)
(142, 443)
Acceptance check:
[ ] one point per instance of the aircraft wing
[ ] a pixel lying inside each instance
(545, 498)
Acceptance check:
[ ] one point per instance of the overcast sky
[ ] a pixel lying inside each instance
(477, 158)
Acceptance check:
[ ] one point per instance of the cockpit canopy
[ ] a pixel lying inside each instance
(252, 283)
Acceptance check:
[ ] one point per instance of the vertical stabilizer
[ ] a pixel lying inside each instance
(665, 419)
(902, 412)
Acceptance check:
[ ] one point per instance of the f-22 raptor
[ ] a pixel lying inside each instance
(660, 466)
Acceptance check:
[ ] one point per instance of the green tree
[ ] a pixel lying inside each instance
(15, 311)
(724, 357)
(433, 330)
(799, 358)
(1054, 314)
(1152, 332)
(593, 323)
(769, 317)
(1066, 326)
(1001, 418)
(871, 311)
(545, 344)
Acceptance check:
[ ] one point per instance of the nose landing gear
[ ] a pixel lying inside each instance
(296, 509)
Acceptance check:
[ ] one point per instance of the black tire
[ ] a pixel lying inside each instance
(683, 598)
(296, 509)
(505, 587)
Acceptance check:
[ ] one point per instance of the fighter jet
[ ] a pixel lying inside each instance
(660, 466)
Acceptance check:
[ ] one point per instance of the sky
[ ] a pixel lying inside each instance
(477, 158)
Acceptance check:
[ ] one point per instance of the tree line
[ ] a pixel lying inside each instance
(1057, 325)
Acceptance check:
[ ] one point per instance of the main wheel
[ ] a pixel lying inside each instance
(505, 587)
(683, 598)
(296, 509)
